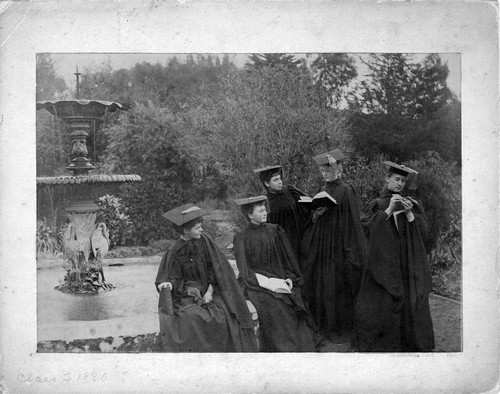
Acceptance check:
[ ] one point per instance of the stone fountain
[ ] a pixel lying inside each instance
(85, 244)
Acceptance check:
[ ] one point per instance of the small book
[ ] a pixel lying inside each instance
(322, 199)
(399, 206)
(274, 284)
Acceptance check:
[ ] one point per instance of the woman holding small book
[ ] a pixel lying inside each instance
(392, 311)
(333, 252)
(208, 311)
(263, 252)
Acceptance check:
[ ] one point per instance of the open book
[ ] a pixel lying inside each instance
(322, 199)
(274, 284)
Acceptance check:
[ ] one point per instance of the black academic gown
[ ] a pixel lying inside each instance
(332, 260)
(223, 325)
(284, 320)
(285, 211)
(392, 311)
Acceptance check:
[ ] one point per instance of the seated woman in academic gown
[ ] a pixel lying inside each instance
(210, 313)
(284, 208)
(263, 249)
(393, 303)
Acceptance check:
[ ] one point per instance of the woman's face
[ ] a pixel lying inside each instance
(259, 214)
(275, 184)
(329, 173)
(194, 232)
(396, 182)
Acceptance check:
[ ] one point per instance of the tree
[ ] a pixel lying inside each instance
(389, 88)
(332, 73)
(405, 109)
(257, 61)
(146, 141)
(247, 120)
(49, 85)
(431, 90)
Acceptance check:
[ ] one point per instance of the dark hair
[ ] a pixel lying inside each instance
(249, 208)
(266, 176)
(187, 226)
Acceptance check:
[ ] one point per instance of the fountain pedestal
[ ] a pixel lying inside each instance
(85, 244)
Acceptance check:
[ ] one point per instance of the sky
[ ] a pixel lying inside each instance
(65, 64)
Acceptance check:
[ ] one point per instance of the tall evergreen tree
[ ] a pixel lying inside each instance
(332, 73)
(49, 85)
(258, 60)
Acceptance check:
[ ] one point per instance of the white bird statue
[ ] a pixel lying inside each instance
(100, 245)
(73, 252)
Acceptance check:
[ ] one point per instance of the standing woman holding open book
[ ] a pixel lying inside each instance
(333, 252)
(393, 312)
(202, 307)
(264, 255)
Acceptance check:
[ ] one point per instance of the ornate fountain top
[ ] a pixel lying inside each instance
(76, 107)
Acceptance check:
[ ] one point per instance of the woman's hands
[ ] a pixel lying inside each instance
(162, 285)
(209, 295)
(407, 204)
(317, 213)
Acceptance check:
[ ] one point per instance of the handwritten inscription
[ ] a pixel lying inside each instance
(72, 377)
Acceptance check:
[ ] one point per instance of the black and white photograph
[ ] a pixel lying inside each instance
(190, 215)
(135, 164)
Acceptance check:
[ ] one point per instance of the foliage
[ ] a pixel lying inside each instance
(257, 61)
(396, 85)
(118, 223)
(50, 144)
(49, 85)
(404, 109)
(146, 141)
(439, 191)
(248, 120)
(332, 73)
(48, 240)
(173, 85)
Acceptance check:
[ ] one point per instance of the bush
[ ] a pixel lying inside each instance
(48, 239)
(145, 141)
(118, 223)
(271, 116)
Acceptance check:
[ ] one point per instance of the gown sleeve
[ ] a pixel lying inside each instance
(245, 275)
(290, 263)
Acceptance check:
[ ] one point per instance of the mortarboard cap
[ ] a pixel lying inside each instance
(183, 214)
(267, 172)
(250, 200)
(267, 169)
(399, 168)
(323, 158)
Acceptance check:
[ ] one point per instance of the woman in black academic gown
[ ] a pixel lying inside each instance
(392, 311)
(284, 208)
(210, 313)
(263, 248)
(333, 252)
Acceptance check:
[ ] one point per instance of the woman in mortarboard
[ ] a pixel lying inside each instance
(210, 313)
(284, 208)
(262, 251)
(333, 253)
(392, 311)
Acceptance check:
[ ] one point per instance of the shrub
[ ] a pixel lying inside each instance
(118, 223)
(271, 116)
(48, 240)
